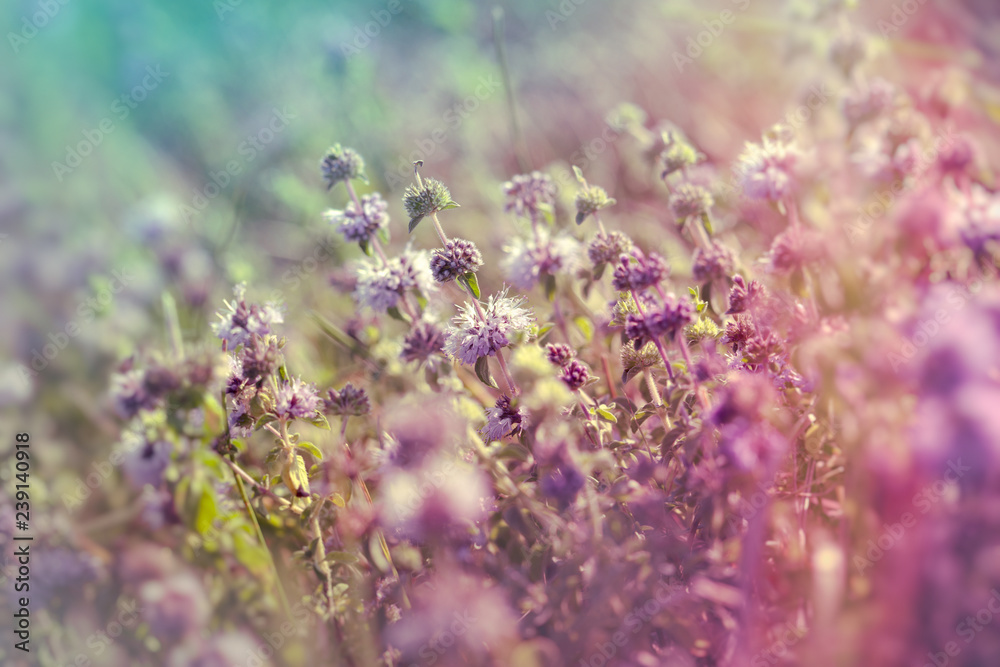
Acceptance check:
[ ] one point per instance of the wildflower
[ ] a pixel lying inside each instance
(129, 394)
(637, 359)
(608, 248)
(258, 360)
(677, 155)
(457, 258)
(645, 271)
(296, 400)
(349, 401)
(147, 463)
(242, 320)
(738, 332)
(529, 194)
(714, 264)
(745, 297)
(360, 225)
(426, 198)
(559, 354)
(667, 320)
(701, 330)
(174, 607)
(341, 164)
(503, 419)
(765, 171)
(380, 286)
(423, 342)
(689, 200)
(792, 250)
(482, 331)
(526, 261)
(575, 375)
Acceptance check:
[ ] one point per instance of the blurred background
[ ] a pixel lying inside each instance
(153, 154)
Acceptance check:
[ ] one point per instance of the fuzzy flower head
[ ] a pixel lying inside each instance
(481, 331)
(640, 272)
(424, 342)
(677, 155)
(527, 195)
(559, 354)
(504, 419)
(689, 200)
(341, 164)
(636, 359)
(766, 171)
(575, 375)
(380, 287)
(590, 199)
(745, 296)
(457, 258)
(239, 321)
(360, 225)
(425, 198)
(714, 264)
(527, 261)
(296, 400)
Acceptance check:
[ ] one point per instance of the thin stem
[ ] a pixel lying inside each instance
(654, 391)
(520, 146)
(354, 195)
(656, 341)
(600, 225)
(514, 390)
(439, 229)
(240, 472)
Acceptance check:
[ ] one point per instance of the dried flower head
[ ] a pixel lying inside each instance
(457, 258)
(690, 200)
(360, 225)
(341, 164)
(425, 198)
(529, 195)
(637, 359)
(481, 331)
(590, 199)
(350, 401)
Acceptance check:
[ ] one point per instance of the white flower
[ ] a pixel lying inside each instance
(360, 225)
(381, 285)
(239, 320)
(475, 335)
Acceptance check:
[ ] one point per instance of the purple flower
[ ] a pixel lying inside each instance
(608, 248)
(666, 320)
(422, 343)
(296, 400)
(792, 250)
(457, 258)
(503, 419)
(745, 297)
(562, 485)
(60, 573)
(174, 607)
(559, 354)
(714, 264)
(527, 194)
(689, 200)
(526, 261)
(239, 320)
(341, 164)
(766, 170)
(380, 286)
(738, 332)
(575, 375)
(146, 464)
(645, 271)
(481, 331)
(349, 401)
(129, 394)
(361, 225)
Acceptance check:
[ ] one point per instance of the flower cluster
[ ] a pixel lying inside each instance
(483, 330)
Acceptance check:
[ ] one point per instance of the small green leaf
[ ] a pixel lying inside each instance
(545, 328)
(266, 419)
(312, 449)
(320, 421)
(707, 221)
(250, 553)
(483, 372)
(207, 510)
(579, 175)
(414, 222)
(605, 414)
(274, 454)
(450, 205)
(580, 217)
(395, 314)
(548, 213)
(472, 281)
(550, 287)
(299, 477)
(365, 247)
(338, 500)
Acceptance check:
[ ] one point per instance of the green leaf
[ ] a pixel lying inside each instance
(483, 372)
(266, 419)
(342, 557)
(451, 205)
(249, 552)
(207, 510)
(320, 421)
(545, 328)
(548, 213)
(365, 247)
(338, 500)
(585, 326)
(472, 281)
(580, 217)
(707, 221)
(550, 287)
(414, 222)
(579, 175)
(274, 454)
(299, 477)
(605, 414)
(312, 449)
(395, 314)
